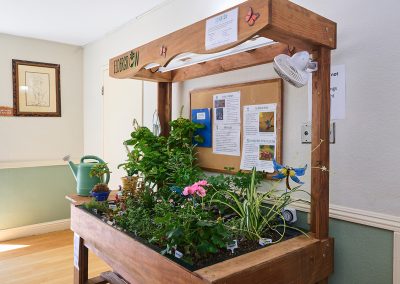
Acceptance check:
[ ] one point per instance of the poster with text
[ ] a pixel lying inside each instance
(259, 137)
(226, 124)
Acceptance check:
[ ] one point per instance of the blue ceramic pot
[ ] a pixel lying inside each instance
(100, 196)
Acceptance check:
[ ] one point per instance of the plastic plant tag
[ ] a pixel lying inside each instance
(178, 254)
(110, 223)
(263, 242)
(95, 211)
(232, 246)
(112, 207)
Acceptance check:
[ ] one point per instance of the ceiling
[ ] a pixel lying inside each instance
(76, 22)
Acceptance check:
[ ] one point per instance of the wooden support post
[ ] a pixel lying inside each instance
(320, 145)
(164, 106)
(80, 261)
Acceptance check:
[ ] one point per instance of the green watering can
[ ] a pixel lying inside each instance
(85, 183)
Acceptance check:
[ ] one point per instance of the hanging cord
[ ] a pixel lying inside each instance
(156, 124)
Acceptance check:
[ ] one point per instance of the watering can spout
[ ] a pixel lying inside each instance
(74, 169)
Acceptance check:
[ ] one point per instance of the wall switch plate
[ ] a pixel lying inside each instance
(306, 134)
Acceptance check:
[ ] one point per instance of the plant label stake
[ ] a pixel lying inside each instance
(263, 242)
(232, 246)
(178, 254)
(112, 207)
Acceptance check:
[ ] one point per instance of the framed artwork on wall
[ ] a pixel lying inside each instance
(36, 88)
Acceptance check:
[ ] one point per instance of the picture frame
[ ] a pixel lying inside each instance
(36, 89)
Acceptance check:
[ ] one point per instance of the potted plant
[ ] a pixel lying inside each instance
(101, 190)
(130, 181)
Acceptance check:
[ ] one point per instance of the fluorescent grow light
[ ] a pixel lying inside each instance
(188, 59)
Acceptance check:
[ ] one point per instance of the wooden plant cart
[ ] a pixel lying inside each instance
(299, 260)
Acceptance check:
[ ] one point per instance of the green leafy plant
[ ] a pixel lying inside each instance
(101, 207)
(254, 216)
(137, 219)
(148, 155)
(165, 161)
(99, 170)
(189, 229)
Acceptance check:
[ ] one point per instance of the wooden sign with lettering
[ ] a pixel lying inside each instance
(126, 62)
(6, 111)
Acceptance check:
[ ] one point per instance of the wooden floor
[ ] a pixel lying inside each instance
(42, 259)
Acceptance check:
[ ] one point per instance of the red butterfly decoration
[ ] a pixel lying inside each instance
(251, 17)
(163, 51)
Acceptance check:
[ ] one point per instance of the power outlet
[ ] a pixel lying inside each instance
(306, 134)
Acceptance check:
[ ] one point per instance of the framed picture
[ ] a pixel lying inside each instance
(36, 88)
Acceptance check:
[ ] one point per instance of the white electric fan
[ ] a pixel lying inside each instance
(295, 69)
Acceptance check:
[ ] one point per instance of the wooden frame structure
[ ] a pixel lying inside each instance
(300, 260)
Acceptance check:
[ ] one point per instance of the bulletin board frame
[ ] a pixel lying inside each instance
(252, 93)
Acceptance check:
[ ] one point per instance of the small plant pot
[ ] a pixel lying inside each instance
(100, 196)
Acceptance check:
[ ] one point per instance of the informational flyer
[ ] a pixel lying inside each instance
(226, 124)
(222, 29)
(259, 137)
(226, 139)
(338, 93)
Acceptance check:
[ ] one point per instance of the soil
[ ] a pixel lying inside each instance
(244, 246)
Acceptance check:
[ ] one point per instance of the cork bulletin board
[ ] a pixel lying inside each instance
(252, 93)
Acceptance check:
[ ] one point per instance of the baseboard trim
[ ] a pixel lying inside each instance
(363, 217)
(32, 230)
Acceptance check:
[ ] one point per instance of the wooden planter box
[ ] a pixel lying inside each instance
(298, 260)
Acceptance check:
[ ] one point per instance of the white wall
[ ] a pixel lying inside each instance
(364, 159)
(42, 138)
(138, 32)
(366, 156)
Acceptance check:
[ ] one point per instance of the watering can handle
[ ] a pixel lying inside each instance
(90, 157)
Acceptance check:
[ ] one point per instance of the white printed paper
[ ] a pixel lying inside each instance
(227, 108)
(201, 116)
(338, 93)
(226, 139)
(76, 250)
(222, 29)
(226, 126)
(259, 137)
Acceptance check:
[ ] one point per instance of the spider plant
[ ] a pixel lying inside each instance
(256, 213)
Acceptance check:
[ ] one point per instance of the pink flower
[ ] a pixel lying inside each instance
(202, 183)
(196, 188)
(186, 191)
(201, 192)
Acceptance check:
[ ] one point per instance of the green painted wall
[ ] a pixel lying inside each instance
(363, 255)
(34, 195)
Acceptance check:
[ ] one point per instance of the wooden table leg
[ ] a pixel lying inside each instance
(80, 261)
(325, 281)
